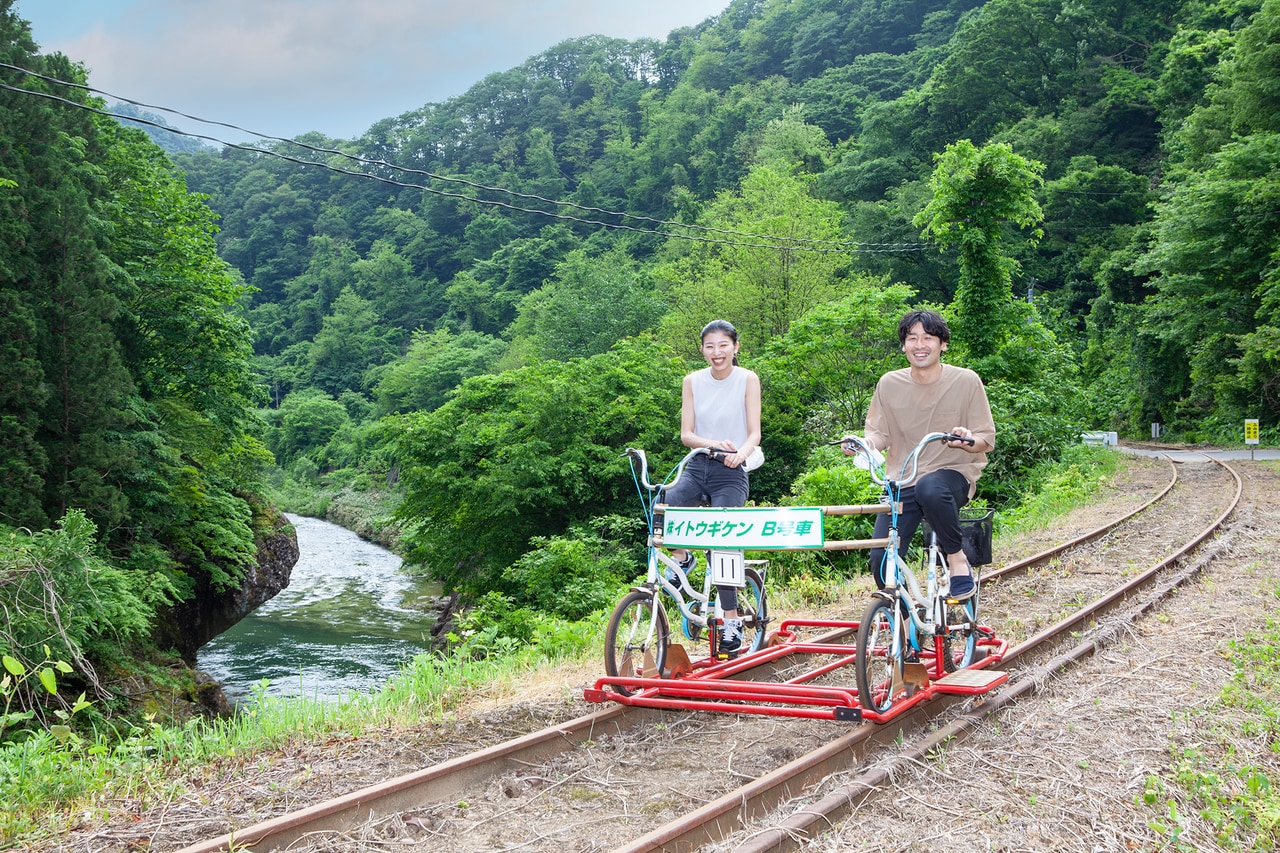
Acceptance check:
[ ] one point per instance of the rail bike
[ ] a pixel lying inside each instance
(913, 643)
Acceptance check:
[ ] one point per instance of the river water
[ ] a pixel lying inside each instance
(347, 621)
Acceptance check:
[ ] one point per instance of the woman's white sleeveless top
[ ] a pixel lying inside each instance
(720, 405)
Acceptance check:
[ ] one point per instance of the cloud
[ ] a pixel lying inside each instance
(343, 65)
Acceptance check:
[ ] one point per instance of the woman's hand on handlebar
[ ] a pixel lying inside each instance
(852, 444)
(726, 453)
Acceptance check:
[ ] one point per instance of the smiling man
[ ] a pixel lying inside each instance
(929, 396)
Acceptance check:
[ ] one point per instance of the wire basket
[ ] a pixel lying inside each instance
(976, 528)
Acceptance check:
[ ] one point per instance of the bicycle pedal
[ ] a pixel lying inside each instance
(678, 664)
(915, 673)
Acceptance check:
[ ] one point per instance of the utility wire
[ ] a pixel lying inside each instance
(785, 243)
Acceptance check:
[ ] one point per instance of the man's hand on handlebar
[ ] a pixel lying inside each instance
(960, 437)
(849, 445)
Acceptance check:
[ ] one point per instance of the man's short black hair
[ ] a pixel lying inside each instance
(931, 321)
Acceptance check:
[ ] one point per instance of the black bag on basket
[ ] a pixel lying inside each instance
(975, 534)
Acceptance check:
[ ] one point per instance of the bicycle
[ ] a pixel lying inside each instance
(904, 624)
(638, 636)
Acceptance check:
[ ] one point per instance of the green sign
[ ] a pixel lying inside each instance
(752, 528)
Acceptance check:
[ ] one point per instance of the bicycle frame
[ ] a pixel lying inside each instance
(925, 609)
(662, 568)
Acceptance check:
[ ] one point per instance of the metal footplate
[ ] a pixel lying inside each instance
(971, 682)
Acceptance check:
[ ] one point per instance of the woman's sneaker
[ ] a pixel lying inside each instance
(731, 637)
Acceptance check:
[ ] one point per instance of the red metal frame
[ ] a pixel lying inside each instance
(727, 687)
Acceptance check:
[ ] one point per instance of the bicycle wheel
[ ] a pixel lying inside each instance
(878, 666)
(960, 635)
(753, 607)
(637, 629)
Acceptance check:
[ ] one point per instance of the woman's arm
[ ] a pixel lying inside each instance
(688, 420)
(752, 402)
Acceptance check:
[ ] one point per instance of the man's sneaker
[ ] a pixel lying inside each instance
(731, 637)
(962, 587)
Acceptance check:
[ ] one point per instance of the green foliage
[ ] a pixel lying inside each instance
(1229, 789)
(352, 340)
(1215, 240)
(975, 192)
(579, 573)
(589, 305)
(830, 359)
(305, 422)
(527, 453)
(1053, 488)
(435, 364)
(64, 605)
(762, 284)
(831, 479)
(498, 628)
(1033, 426)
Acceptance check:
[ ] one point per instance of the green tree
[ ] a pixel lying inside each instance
(350, 342)
(589, 305)
(976, 191)
(529, 452)
(435, 364)
(1213, 247)
(829, 361)
(772, 255)
(305, 422)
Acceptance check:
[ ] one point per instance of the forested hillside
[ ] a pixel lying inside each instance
(772, 165)
(131, 468)
(479, 303)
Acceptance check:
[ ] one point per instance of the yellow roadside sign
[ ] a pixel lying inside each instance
(1251, 431)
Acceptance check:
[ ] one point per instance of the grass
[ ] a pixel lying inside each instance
(50, 784)
(1083, 473)
(1225, 781)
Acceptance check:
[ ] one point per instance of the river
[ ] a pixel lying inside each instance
(347, 621)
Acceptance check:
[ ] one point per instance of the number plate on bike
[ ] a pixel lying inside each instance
(728, 568)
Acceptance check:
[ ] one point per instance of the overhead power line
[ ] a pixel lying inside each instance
(683, 232)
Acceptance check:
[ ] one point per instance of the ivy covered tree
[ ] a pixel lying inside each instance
(976, 192)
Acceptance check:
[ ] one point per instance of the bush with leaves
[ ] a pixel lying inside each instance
(528, 453)
(831, 480)
(577, 573)
(498, 627)
(63, 605)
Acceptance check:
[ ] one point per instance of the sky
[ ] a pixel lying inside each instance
(287, 67)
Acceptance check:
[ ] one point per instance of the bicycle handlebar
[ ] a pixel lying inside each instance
(636, 454)
(877, 472)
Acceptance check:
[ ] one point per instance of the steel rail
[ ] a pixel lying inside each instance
(709, 823)
(729, 813)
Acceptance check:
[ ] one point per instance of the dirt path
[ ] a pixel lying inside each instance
(1086, 765)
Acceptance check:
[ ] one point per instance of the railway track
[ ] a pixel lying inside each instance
(635, 779)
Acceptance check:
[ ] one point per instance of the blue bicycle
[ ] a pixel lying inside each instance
(913, 632)
(638, 638)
